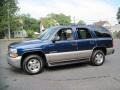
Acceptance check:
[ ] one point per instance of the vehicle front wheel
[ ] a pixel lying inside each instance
(97, 58)
(33, 64)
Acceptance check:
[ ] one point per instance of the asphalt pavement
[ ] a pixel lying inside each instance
(81, 76)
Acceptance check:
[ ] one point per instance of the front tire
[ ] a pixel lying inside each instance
(33, 64)
(97, 58)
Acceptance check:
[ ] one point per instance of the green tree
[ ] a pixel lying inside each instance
(3, 16)
(118, 15)
(48, 21)
(60, 18)
(31, 34)
(81, 22)
(8, 9)
(30, 23)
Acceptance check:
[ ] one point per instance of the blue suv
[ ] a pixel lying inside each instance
(61, 45)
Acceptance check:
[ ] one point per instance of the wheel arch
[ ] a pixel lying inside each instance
(40, 53)
(101, 48)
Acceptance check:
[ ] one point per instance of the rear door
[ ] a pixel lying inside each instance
(85, 43)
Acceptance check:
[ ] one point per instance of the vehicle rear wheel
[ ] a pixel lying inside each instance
(97, 58)
(33, 64)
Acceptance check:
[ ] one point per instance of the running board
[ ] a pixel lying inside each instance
(50, 64)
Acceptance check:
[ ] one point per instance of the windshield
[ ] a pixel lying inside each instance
(46, 35)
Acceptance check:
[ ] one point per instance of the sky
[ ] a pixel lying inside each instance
(87, 10)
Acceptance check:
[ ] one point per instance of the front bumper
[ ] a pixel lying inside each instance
(15, 62)
(110, 51)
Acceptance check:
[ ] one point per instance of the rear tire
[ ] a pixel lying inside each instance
(33, 64)
(97, 58)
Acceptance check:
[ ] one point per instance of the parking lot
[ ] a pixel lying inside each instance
(72, 77)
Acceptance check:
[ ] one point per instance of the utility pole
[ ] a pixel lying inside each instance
(8, 12)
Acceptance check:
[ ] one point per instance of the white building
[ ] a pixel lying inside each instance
(20, 34)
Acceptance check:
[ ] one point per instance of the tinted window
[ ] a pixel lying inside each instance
(65, 34)
(101, 33)
(83, 33)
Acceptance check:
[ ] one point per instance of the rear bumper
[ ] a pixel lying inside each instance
(15, 62)
(110, 51)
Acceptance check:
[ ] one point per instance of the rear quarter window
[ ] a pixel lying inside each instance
(102, 33)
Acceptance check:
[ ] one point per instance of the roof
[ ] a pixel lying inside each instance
(92, 27)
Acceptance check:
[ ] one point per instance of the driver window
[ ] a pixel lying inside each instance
(65, 34)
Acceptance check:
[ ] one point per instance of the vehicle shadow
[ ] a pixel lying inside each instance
(16, 70)
(55, 68)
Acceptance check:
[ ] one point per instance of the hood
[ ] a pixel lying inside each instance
(29, 43)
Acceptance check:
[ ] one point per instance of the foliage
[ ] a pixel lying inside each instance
(118, 15)
(48, 21)
(30, 23)
(81, 22)
(30, 33)
(60, 18)
(7, 8)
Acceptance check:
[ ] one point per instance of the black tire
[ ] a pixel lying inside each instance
(97, 61)
(31, 67)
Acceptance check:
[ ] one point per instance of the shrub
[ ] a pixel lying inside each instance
(31, 34)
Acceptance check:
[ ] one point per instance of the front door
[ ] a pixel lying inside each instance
(63, 49)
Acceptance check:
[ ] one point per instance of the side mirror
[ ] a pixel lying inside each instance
(57, 38)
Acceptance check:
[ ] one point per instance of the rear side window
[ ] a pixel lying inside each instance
(83, 33)
(101, 33)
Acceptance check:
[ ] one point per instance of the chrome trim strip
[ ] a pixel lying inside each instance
(110, 51)
(63, 56)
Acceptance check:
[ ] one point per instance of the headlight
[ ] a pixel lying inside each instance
(13, 52)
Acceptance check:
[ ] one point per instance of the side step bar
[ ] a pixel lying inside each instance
(50, 64)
